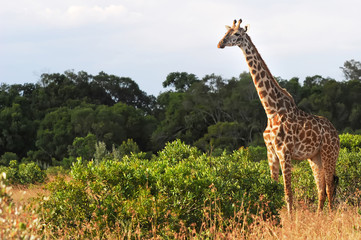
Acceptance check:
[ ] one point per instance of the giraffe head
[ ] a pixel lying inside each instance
(235, 35)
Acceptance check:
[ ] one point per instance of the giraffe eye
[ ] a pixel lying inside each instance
(237, 34)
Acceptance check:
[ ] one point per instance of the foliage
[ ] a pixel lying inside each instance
(210, 108)
(303, 183)
(172, 125)
(23, 173)
(83, 147)
(56, 171)
(350, 141)
(17, 130)
(126, 148)
(181, 81)
(58, 131)
(100, 152)
(42, 118)
(55, 134)
(352, 70)
(222, 135)
(7, 157)
(171, 188)
(41, 121)
(256, 153)
(349, 172)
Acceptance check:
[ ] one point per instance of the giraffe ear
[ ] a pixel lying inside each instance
(228, 27)
(246, 28)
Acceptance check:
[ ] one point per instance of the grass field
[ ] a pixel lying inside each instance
(18, 221)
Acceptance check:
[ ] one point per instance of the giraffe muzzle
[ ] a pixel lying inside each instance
(220, 44)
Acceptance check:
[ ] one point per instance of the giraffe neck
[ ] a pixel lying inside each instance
(274, 98)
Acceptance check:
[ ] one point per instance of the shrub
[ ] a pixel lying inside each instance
(83, 147)
(128, 147)
(177, 151)
(23, 173)
(350, 141)
(7, 157)
(100, 152)
(256, 153)
(56, 171)
(349, 172)
(66, 163)
(31, 173)
(303, 183)
(174, 187)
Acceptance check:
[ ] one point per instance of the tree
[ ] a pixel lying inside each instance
(82, 119)
(83, 147)
(7, 157)
(355, 117)
(126, 148)
(55, 134)
(70, 89)
(293, 87)
(123, 89)
(181, 81)
(352, 70)
(212, 101)
(223, 135)
(17, 130)
(172, 122)
(40, 121)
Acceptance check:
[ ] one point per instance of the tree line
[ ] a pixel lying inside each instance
(43, 121)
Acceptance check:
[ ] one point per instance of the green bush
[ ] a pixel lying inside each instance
(56, 171)
(256, 153)
(100, 152)
(303, 183)
(349, 172)
(176, 186)
(350, 141)
(23, 173)
(7, 157)
(126, 148)
(83, 147)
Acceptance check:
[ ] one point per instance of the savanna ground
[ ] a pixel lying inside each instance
(18, 221)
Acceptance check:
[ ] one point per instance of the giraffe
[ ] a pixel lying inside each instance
(290, 133)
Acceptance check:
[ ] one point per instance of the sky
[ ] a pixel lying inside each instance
(148, 39)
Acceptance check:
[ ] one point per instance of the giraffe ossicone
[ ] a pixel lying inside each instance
(290, 133)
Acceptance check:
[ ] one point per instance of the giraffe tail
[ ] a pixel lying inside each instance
(335, 183)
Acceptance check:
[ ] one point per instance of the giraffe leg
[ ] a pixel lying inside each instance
(273, 162)
(329, 162)
(319, 175)
(285, 161)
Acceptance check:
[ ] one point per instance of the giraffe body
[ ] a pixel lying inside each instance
(290, 133)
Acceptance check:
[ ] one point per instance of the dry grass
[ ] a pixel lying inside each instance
(16, 221)
(23, 194)
(343, 223)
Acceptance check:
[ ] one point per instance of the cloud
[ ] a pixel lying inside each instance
(41, 15)
(79, 15)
